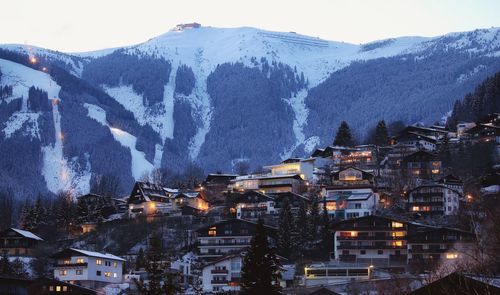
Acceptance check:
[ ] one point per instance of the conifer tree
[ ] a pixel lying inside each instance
(381, 134)
(344, 136)
(284, 237)
(302, 228)
(6, 268)
(326, 233)
(261, 269)
(314, 218)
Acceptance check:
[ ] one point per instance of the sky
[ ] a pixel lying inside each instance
(85, 25)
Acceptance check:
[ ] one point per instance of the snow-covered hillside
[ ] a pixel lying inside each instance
(172, 127)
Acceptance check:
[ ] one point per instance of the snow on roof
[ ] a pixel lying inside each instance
(27, 234)
(97, 254)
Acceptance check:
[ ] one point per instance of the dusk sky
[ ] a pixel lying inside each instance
(74, 25)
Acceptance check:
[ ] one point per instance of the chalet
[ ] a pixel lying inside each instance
(461, 284)
(294, 200)
(350, 203)
(244, 182)
(149, 199)
(40, 286)
(227, 237)
(453, 182)
(362, 156)
(252, 205)
(375, 240)
(216, 184)
(434, 199)
(86, 268)
(17, 242)
(187, 26)
(223, 274)
(428, 245)
(422, 165)
(191, 199)
(294, 183)
(351, 177)
(291, 166)
(418, 141)
(463, 127)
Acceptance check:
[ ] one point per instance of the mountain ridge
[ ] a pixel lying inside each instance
(200, 95)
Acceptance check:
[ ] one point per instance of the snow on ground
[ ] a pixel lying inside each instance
(18, 119)
(300, 111)
(22, 78)
(466, 76)
(311, 143)
(140, 165)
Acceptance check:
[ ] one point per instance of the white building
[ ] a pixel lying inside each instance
(86, 268)
(292, 166)
(350, 203)
(322, 274)
(223, 274)
(434, 199)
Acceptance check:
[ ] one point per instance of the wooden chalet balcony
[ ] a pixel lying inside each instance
(367, 247)
(347, 258)
(371, 238)
(225, 244)
(219, 282)
(71, 265)
(219, 271)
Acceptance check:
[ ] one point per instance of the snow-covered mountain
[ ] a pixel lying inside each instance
(218, 96)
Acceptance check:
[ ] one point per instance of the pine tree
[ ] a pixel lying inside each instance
(344, 136)
(302, 228)
(444, 151)
(284, 237)
(314, 218)
(140, 261)
(381, 134)
(6, 268)
(326, 233)
(261, 269)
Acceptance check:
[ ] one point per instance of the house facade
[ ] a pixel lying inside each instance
(226, 237)
(346, 203)
(87, 268)
(148, 199)
(374, 240)
(252, 205)
(223, 274)
(18, 243)
(434, 199)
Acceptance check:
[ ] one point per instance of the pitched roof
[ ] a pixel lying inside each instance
(88, 253)
(27, 234)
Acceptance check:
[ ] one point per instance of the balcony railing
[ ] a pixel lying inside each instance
(219, 271)
(219, 282)
(366, 247)
(370, 238)
(82, 264)
(430, 250)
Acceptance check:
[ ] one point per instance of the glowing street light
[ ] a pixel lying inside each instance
(33, 60)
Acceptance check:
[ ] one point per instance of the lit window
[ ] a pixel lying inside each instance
(397, 224)
(98, 262)
(107, 274)
(398, 234)
(115, 264)
(115, 275)
(67, 261)
(451, 255)
(415, 208)
(397, 243)
(64, 288)
(79, 260)
(354, 234)
(58, 288)
(79, 272)
(212, 231)
(63, 272)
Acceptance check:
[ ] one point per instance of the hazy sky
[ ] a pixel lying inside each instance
(82, 25)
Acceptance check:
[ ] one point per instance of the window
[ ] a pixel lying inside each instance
(397, 243)
(115, 264)
(98, 262)
(79, 272)
(63, 272)
(362, 252)
(98, 273)
(380, 252)
(212, 231)
(107, 274)
(65, 288)
(66, 261)
(357, 206)
(451, 255)
(398, 234)
(397, 224)
(415, 208)
(80, 260)
(107, 263)
(58, 288)
(115, 275)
